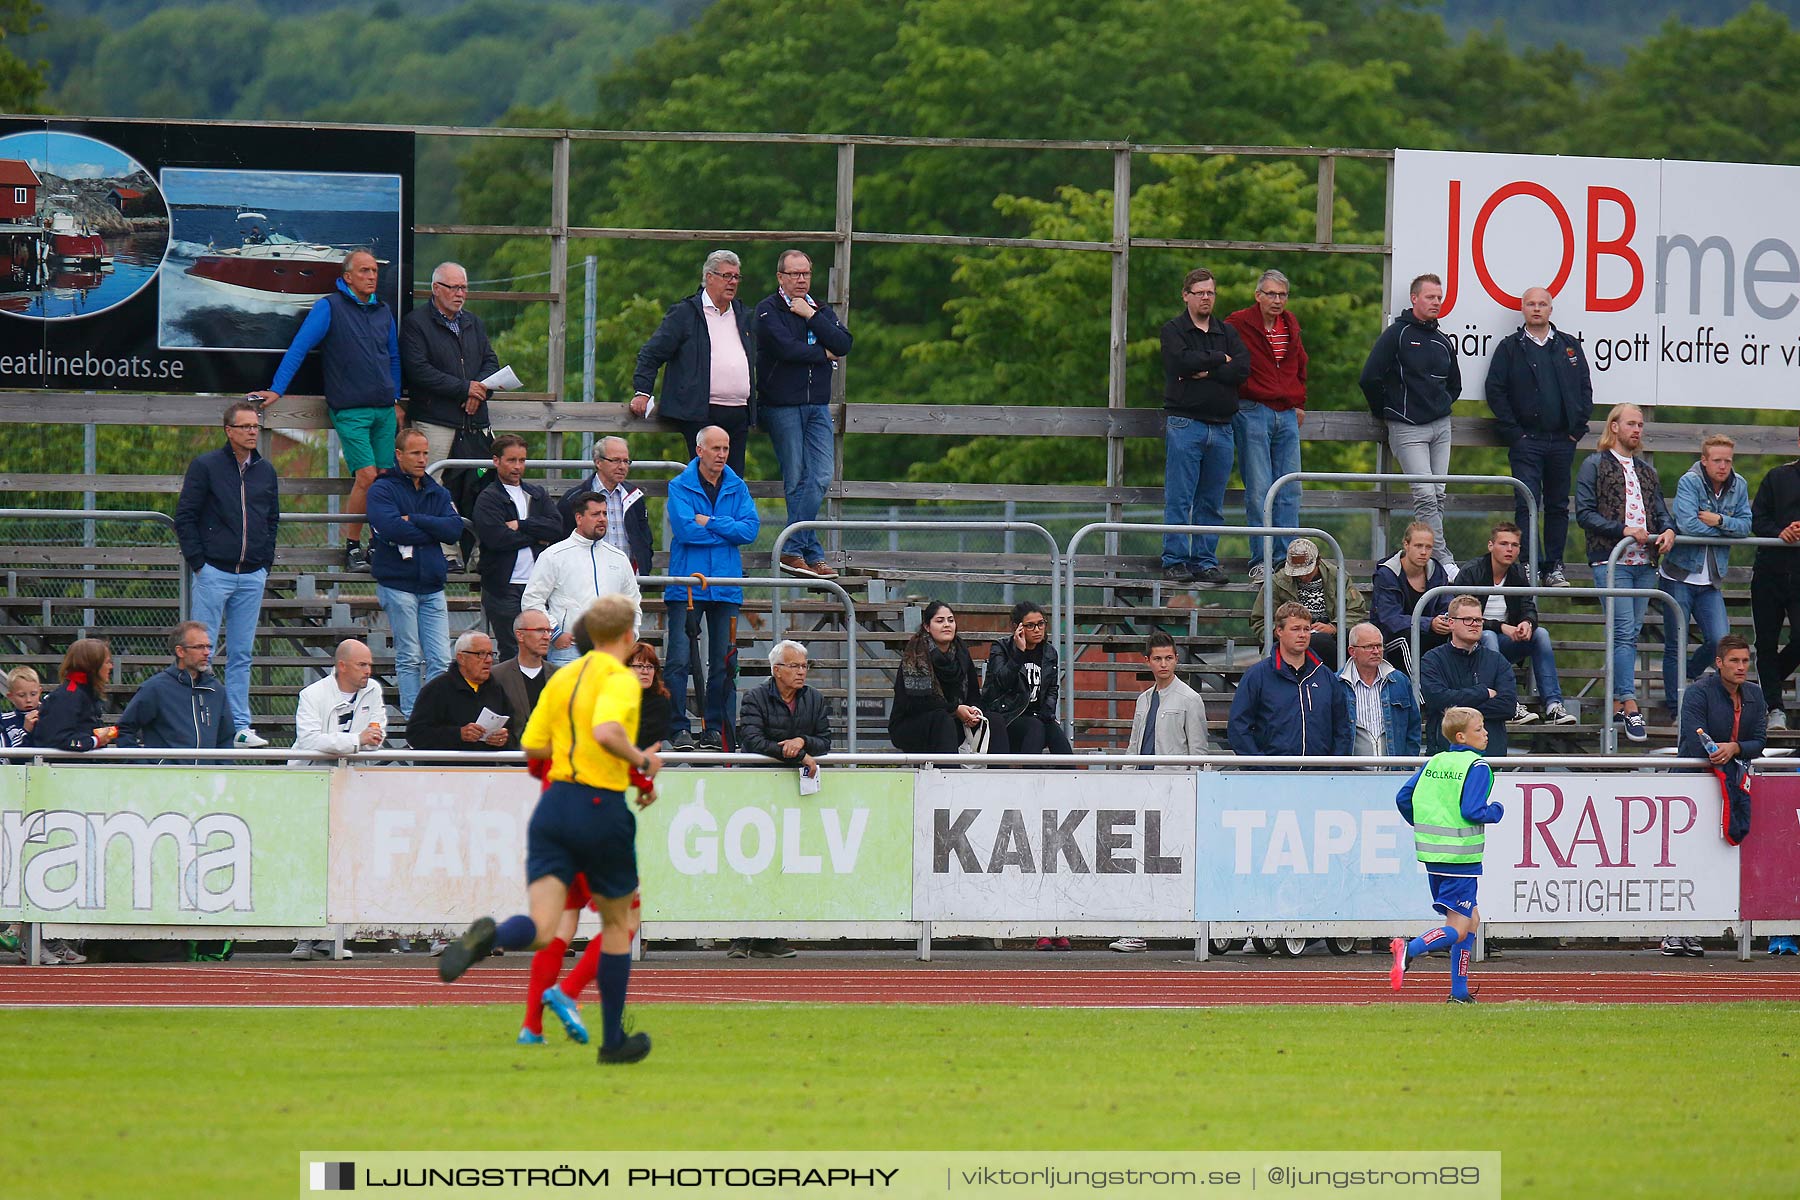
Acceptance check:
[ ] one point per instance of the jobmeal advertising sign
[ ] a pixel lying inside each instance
(1682, 279)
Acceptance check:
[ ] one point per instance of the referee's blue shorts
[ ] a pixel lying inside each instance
(576, 829)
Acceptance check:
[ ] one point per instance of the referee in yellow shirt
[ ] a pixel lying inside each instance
(585, 724)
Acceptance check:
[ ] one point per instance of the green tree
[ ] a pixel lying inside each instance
(21, 82)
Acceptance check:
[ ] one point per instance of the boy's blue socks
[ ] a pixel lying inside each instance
(1441, 938)
(1460, 954)
(516, 932)
(615, 976)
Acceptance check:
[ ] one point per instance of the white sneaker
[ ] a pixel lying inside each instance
(1672, 948)
(49, 956)
(437, 947)
(1258, 573)
(1129, 945)
(302, 952)
(1556, 714)
(67, 953)
(1522, 715)
(1777, 719)
(249, 739)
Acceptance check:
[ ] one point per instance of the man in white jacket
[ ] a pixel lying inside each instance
(342, 713)
(574, 573)
(1170, 717)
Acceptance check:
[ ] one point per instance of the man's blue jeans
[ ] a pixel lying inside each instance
(1706, 607)
(1268, 447)
(421, 628)
(1628, 622)
(802, 436)
(721, 695)
(238, 600)
(1542, 463)
(1543, 659)
(1195, 471)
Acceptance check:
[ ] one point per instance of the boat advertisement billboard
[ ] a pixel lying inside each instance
(142, 257)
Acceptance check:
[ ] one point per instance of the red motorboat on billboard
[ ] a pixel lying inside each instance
(269, 266)
(72, 240)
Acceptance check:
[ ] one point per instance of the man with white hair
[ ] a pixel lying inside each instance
(444, 356)
(1382, 703)
(574, 573)
(789, 722)
(627, 508)
(447, 714)
(706, 344)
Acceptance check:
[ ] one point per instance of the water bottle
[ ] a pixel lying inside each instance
(1711, 747)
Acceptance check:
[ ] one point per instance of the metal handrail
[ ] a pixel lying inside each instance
(1606, 730)
(1068, 664)
(1517, 484)
(779, 583)
(556, 463)
(115, 514)
(995, 526)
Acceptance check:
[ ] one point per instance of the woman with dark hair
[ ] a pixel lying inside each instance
(936, 694)
(70, 717)
(654, 715)
(1019, 695)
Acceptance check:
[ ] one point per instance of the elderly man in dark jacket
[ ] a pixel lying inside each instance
(181, 705)
(444, 356)
(1462, 673)
(226, 519)
(791, 723)
(707, 372)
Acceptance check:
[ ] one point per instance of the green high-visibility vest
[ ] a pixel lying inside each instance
(1441, 834)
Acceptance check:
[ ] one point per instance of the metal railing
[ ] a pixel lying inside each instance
(778, 583)
(1068, 664)
(655, 464)
(931, 526)
(1607, 738)
(1518, 485)
(130, 515)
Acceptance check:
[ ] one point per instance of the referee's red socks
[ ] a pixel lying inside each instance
(546, 964)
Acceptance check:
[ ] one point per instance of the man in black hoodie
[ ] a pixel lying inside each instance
(1204, 360)
(1410, 381)
(1775, 583)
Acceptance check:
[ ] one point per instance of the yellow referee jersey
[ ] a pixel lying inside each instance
(592, 690)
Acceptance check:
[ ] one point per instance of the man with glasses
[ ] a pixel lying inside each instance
(1271, 409)
(1463, 673)
(1204, 361)
(226, 519)
(705, 344)
(1381, 697)
(444, 356)
(627, 511)
(181, 706)
(522, 677)
(799, 343)
(448, 713)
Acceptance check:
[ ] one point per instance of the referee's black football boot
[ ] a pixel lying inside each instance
(635, 1048)
(470, 948)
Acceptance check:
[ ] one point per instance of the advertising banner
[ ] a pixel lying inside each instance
(1769, 858)
(164, 846)
(744, 844)
(1297, 847)
(1053, 846)
(1572, 848)
(146, 257)
(435, 847)
(1680, 278)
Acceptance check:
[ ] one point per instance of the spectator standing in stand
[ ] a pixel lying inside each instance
(1271, 409)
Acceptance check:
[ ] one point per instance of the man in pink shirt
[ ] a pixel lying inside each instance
(707, 355)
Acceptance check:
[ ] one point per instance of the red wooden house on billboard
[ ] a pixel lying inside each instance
(129, 201)
(19, 185)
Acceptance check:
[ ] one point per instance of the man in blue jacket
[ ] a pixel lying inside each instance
(799, 342)
(410, 516)
(359, 348)
(1410, 381)
(1462, 673)
(705, 343)
(226, 519)
(1291, 702)
(1542, 394)
(710, 516)
(180, 706)
(1711, 501)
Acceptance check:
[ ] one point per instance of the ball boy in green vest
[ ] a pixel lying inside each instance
(1446, 803)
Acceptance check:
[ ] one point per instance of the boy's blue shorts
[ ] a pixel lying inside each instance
(1454, 893)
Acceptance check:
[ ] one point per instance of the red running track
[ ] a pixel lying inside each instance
(1181, 987)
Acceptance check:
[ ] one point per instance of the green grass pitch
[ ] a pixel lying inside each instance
(1590, 1101)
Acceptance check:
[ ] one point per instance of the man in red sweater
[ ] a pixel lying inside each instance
(1271, 407)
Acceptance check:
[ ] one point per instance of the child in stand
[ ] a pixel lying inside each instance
(23, 691)
(1446, 802)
